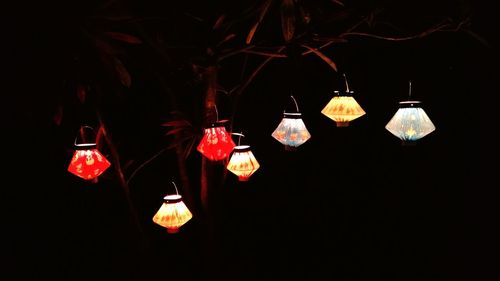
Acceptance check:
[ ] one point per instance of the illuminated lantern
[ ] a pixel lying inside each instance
(291, 131)
(87, 162)
(173, 213)
(216, 143)
(343, 108)
(242, 162)
(410, 122)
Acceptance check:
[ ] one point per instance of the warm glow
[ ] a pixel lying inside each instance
(243, 162)
(87, 162)
(342, 110)
(216, 143)
(291, 131)
(173, 213)
(410, 123)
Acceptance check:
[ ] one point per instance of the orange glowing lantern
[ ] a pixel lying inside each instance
(173, 213)
(87, 162)
(343, 108)
(291, 131)
(242, 162)
(216, 143)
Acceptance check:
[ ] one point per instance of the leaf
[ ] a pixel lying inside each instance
(179, 141)
(229, 37)
(338, 2)
(252, 33)
(177, 123)
(58, 116)
(263, 12)
(218, 22)
(322, 56)
(175, 131)
(122, 72)
(104, 47)
(124, 37)
(189, 148)
(81, 93)
(478, 37)
(287, 19)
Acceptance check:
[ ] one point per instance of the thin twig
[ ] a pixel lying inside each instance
(267, 54)
(144, 164)
(121, 177)
(235, 52)
(320, 47)
(439, 27)
(257, 70)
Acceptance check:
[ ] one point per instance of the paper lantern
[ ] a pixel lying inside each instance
(173, 213)
(343, 108)
(410, 122)
(216, 143)
(242, 162)
(87, 162)
(291, 131)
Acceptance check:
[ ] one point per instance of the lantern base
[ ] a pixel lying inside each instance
(172, 230)
(290, 148)
(342, 124)
(243, 178)
(408, 143)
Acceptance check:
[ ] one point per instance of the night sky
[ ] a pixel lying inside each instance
(350, 204)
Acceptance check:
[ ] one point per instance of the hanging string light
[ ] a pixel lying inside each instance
(216, 143)
(410, 122)
(291, 131)
(173, 213)
(242, 162)
(343, 108)
(87, 162)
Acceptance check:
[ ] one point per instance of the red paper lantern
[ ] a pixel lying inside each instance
(87, 162)
(216, 143)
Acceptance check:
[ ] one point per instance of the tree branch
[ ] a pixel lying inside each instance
(267, 54)
(257, 70)
(436, 28)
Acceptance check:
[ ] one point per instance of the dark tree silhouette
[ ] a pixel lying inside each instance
(148, 76)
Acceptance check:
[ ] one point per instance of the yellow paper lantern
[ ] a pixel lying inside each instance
(343, 108)
(242, 162)
(173, 213)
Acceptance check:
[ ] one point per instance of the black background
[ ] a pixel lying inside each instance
(349, 204)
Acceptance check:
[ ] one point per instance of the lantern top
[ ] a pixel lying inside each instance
(413, 103)
(85, 146)
(294, 115)
(174, 198)
(347, 93)
(241, 148)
